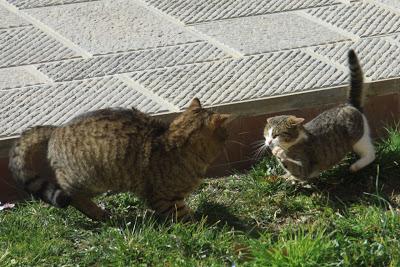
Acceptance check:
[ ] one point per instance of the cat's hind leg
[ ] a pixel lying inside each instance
(171, 208)
(364, 149)
(85, 205)
(80, 200)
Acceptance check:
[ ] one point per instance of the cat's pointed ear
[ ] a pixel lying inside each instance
(269, 120)
(195, 104)
(218, 120)
(296, 121)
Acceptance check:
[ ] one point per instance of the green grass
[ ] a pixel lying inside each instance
(256, 219)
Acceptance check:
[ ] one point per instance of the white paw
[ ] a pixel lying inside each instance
(277, 152)
(354, 168)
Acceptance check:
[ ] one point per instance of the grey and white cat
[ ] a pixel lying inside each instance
(304, 150)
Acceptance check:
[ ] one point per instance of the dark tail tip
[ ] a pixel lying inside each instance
(61, 200)
(352, 57)
(48, 192)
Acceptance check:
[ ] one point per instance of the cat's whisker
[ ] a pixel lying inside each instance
(258, 146)
(260, 151)
(226, 154)
(258, 142)
(236, 142)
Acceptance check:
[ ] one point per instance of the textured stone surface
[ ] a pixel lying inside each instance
(363, 19)
(108, 26)
(41, 3)
(396, 38)
(244, 79)
(18, 77)
(392, 3)
(8, 19)
(190, 11)
(56, 104)
(28, 45)
(132, 61)
(269, 33)
(380, 58)
(62, 57)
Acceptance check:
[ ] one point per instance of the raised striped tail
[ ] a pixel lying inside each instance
(355, 97)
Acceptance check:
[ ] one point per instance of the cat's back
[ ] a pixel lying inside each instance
(113, 122)
(96, 147)
(332, 134)
(343, 121)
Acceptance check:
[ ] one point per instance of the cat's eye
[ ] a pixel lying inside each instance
(275, 136)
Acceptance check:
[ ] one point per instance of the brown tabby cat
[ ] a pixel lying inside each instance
(307, 149)
(120, 150)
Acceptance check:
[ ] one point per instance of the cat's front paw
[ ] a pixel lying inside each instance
(354, 168)
(278, 152)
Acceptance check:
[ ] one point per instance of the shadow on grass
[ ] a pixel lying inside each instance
(219, 215)
(380, 179)
(214, 214)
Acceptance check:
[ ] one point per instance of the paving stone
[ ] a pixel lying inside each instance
(132, 61)
(379, 58)
(8, 19)
(249, 78)
(28, 45)
(24, 4)
(56, 104)
(393, 3)
(363, 19)
(107, 26)
(18, 77)
(396, 37)
(267, 33)
(190, 11)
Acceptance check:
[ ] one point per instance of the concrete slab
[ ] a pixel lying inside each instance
(98, 66)
(392, 3)
(379, 56)
(361, 18)
(24, 4)
(111, 26)
(396, 38)
(232, 81)
(56, 104)
(260, 34)
(190, 11)
(28, 45)
(20, 77)
(9, 19)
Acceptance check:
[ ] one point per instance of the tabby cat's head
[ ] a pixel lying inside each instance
(197, 125)
(282, 131)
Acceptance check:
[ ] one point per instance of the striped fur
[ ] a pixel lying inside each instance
(355, 97)
(30, 168)
(124, 150)
(307, 149)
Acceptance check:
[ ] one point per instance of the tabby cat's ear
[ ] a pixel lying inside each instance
(296, 121)
(195, 104)
(217, 120)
